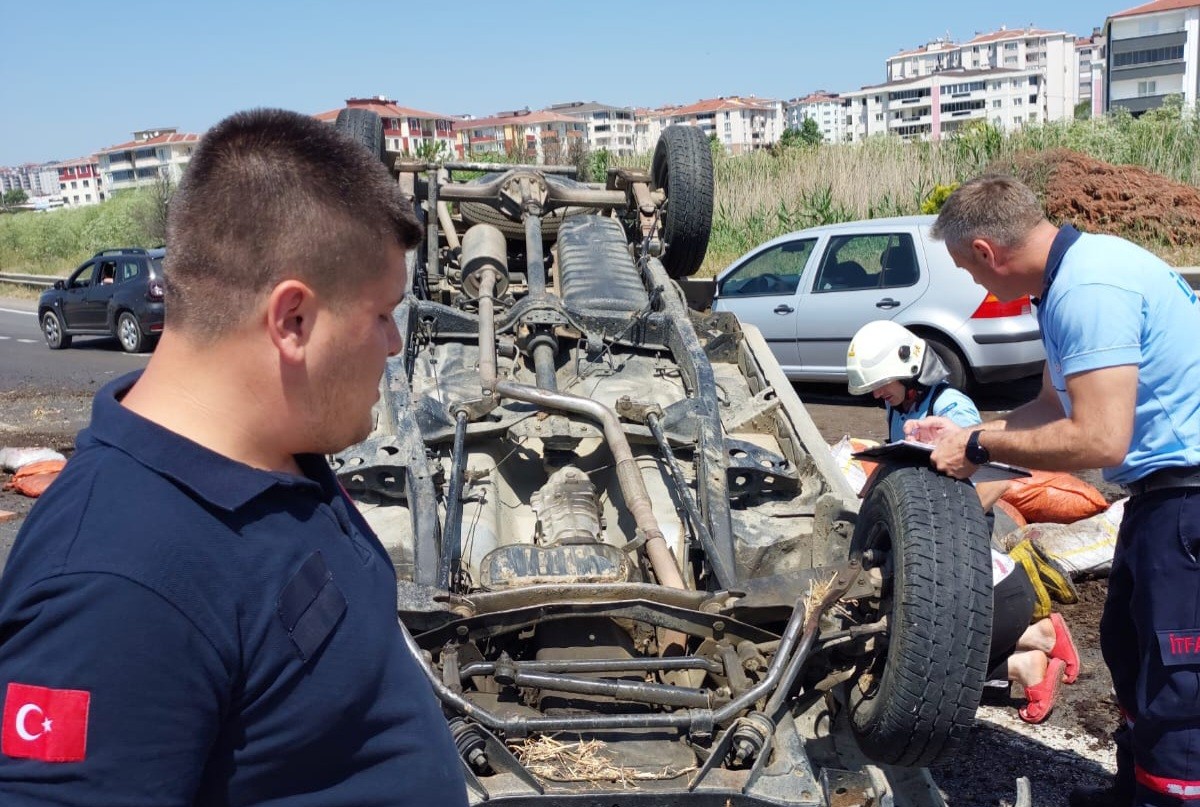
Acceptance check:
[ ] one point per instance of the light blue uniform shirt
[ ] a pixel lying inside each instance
(1112, 303)
(950, 404)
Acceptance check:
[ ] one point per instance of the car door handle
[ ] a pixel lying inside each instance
(887, 302)
(784, 309)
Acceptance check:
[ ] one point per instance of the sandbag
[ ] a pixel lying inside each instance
(13, 459)
(856, 471)
(1057, 498)
(1085, 547)
(33, 478)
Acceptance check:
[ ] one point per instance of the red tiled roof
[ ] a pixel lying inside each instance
(541, 116)
(719, 104)
(816, 98)
(77, 161)
(160, 140)
(1156, 6)
(1009, 33)
(932, 47)
(384, 109)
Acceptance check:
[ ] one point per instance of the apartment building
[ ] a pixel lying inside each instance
(153, 154)
(36, 179)
(540, 137)
(647, 126)
(608, 127)
(940, 54)
(1153, 52)
(80, 182)
(820, 106)
(405, 130)
(933, 106)
(739, 123)
(1050, 53)
(1089, 59)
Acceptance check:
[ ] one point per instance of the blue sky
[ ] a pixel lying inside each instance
(77, 75)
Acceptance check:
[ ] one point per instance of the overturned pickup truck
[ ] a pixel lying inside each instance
(626, 557)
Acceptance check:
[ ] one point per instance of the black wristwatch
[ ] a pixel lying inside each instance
(975, 453)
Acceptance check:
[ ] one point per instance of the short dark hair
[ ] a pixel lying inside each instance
(993, 206)
(270, 195)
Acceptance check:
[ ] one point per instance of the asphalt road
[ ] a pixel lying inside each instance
(45, 398)
(25, 361)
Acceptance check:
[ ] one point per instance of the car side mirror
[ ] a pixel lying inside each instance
(60, 285)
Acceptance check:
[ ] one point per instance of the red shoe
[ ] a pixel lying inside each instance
(1042, 696)
(1064, 648)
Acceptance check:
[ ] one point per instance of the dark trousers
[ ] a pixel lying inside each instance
(1150, 637)
(1013, 599)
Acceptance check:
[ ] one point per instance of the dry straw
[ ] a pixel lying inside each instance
(583, 761)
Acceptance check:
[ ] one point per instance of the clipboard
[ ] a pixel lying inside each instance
(910, 451)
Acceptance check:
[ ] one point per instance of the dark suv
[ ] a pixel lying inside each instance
(117, 292)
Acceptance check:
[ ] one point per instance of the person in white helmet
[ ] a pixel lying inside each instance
(897, 367)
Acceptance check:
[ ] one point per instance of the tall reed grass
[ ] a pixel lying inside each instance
(765, 194)
(758, 195)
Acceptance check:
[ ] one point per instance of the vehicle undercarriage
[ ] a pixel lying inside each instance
(625, 556)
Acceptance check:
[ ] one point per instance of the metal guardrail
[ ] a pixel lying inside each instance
(42, 281)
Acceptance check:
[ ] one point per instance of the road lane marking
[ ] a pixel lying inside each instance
(27, 341)
(15, 311)
(5, 337)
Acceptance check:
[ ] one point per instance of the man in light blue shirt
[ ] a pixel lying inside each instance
(1121, 391)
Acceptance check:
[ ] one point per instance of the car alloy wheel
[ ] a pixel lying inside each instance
(54, 332)
(130, 333)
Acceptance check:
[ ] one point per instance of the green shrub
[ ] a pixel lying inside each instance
(937, 197)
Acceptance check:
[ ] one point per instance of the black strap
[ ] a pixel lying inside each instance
(938, 389)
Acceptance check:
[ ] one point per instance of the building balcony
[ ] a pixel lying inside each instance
(1140, 103)
(915, 120)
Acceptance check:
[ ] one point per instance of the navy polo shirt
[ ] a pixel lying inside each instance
(177, 628)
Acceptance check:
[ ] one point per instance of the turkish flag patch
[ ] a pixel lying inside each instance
(46, 724)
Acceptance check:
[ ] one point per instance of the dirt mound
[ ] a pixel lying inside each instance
(1098, 197)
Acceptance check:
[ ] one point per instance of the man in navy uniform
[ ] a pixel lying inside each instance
(195, 613)
(1121, 391)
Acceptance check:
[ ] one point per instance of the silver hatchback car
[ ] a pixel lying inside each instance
(809, 291)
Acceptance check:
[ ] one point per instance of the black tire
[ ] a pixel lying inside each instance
(129, 333)
(960, 377)
(480, 213)
(683, 168)
(364, 127)
(919, 697)
(54, 331)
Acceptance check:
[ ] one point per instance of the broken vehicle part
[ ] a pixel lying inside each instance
(618, 534)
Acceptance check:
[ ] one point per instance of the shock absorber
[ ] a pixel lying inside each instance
(469, 743)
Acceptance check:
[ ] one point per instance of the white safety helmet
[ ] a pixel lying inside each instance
(884, 351)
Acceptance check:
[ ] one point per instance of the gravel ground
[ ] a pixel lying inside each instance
(1072, 747)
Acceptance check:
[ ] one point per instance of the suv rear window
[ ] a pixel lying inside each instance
(128, 270)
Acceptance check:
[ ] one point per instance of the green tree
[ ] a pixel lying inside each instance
(714, 145)
(430, 151)
(809, 134)
(149, 211)
(600, 162)
(1083, 110)
(14, 197)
